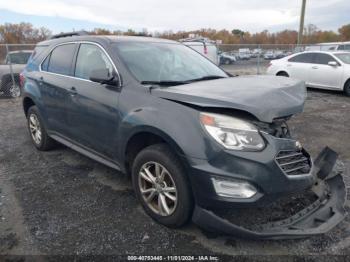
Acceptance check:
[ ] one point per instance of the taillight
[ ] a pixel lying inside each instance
(22, 79)
(270, 64)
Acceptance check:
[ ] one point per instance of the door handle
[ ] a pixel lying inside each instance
(41, 79)
(289, 65)
(314, 67)
(73, 91)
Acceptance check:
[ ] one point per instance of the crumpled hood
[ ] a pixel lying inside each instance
(265, 97)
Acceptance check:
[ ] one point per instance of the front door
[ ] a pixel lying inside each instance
(323, 75)
(94, 115)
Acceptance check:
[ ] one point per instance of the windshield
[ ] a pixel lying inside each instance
(18, 58)
(345, 58)
(166, 62)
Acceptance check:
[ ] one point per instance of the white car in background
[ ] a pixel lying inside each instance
(319, 69)
(244, 54)
(203, 46)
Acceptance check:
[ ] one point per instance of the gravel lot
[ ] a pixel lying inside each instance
(60, 202)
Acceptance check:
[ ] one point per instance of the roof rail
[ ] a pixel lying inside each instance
(76, 33)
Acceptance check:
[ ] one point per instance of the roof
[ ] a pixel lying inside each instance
(327, 52)
(20, 51)
(106, 39)
(331, 43)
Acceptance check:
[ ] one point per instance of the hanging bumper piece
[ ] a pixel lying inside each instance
(318, 218)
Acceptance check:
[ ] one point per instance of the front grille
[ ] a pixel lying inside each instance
(294, 162)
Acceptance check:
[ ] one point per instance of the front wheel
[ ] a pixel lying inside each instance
(347, 88)
(161, 185)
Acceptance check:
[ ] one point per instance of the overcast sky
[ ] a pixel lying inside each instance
(248, 15)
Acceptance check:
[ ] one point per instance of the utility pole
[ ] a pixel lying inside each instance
(301, 23)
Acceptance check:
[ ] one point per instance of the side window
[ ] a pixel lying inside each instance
(91, 57)
(341, 47)
(323, 59)
(61, 59)
(302, 58)
(45, 63)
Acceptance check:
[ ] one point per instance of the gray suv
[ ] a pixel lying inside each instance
(193, 138)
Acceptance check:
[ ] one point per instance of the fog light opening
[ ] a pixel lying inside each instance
(233, 188)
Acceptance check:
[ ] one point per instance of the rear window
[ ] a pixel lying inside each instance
(60, 60)
(302, 58)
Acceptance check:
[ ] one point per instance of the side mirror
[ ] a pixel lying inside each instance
(103, 76)
(332, 63)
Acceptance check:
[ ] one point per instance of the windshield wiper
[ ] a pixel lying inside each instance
(209, 77)
(164, 83)
(174, 83)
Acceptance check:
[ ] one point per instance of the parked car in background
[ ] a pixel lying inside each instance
(279, 54)
(335, 46)
(203, 46)
(17, 60)
(269, 55)
(227, 58)
(256, 52)
(192, 138)
(244, 54)
(319, 69)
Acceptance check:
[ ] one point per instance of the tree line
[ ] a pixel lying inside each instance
(26, 33)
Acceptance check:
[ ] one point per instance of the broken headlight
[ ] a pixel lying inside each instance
(232, 133)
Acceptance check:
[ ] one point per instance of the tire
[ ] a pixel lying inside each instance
(282, 74)
(227, 62)
(12, 90)
(37, 131)
(347, 88)
(174, 176)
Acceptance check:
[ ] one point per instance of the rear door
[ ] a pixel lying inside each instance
(94, 117)
(323, 75)
(299, 66)
(54, 81)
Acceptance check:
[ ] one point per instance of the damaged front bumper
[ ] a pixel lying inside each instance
(318, 218)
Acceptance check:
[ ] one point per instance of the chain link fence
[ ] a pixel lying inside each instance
(248, 59)
(13, 59)
(240, 59)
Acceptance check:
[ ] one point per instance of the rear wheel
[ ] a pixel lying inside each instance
(347, 88)
(37, 131)
(12, 89)
(161, 185)
(282, 74)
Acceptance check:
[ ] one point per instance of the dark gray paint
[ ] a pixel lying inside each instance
(265, 97)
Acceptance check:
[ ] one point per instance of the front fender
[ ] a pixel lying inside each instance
(177, 124)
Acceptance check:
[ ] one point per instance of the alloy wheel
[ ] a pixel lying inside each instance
(158, 188)
(35, 129)
(15, 91)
